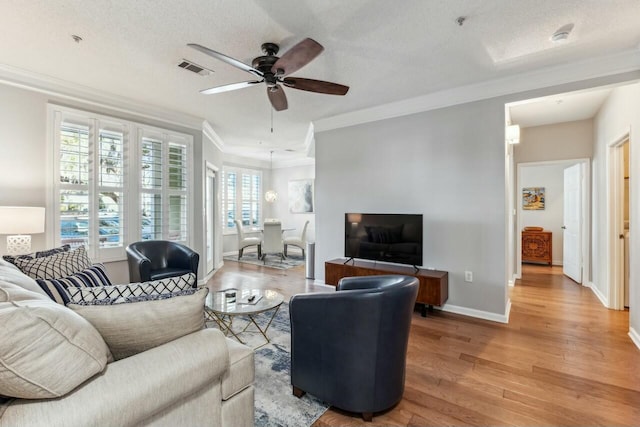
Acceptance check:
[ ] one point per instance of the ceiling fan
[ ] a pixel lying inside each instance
(274, 70)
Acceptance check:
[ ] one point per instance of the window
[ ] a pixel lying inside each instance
(107, 180)
(242, 197)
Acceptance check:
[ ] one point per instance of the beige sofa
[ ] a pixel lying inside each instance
(200, 379)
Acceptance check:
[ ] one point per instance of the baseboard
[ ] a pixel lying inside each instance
(480, 314)
(635, 337)
(557, 262)
(512, 282)
(596, 291)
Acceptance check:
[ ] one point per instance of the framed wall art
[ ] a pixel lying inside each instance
(301, 196)
(533, 198)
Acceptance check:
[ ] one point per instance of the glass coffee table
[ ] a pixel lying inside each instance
(223, 306)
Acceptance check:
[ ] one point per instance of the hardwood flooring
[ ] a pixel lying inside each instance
(563, 359)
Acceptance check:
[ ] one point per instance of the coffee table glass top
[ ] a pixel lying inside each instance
(224, 302)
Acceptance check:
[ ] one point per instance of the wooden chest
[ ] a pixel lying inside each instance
(536, 246)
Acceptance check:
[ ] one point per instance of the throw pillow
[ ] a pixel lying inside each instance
(46, 350)
(12, 274)
(40, 254)
(58, 289)
(133, 292)
(59, 265)
(129, 329)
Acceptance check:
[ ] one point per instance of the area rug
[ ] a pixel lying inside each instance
(275, 404)
(273, 261)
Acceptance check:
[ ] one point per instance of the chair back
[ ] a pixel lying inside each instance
(239, 228)
(303, 236)
(272, 238)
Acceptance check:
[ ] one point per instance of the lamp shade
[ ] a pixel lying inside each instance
(512, 134)
(21, 220)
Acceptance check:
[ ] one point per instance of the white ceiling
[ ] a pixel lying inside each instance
(559, 108)
(385, 51)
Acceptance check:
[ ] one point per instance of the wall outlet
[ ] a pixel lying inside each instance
(468, 276)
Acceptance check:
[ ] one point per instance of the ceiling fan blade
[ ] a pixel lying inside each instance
(297, 57)
(277, 97)
(232, 86)
(318, 86)
(229, 60)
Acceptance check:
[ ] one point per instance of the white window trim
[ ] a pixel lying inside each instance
(131, 205)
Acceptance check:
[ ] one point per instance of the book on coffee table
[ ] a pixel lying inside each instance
(248, 300)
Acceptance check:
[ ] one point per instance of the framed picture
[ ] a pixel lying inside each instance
(533, 198)
(301, 196)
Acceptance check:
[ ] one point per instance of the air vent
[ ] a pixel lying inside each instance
(191, 66)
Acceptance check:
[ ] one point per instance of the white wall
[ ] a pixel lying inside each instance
(448, 165)
(619, 115)
(551, 177)
(280, 209)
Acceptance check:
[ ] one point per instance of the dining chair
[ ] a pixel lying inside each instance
(299, 241)
(244, 242)
(272, 240)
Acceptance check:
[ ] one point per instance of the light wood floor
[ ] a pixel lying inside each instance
(563, 359)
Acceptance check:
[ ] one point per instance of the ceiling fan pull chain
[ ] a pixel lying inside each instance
(271, 119)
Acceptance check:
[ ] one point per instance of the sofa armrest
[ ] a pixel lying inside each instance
(132, 390)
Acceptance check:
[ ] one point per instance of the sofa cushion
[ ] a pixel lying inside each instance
(39, 254)
(46, 350)
(59, 265)
(241, 372)
(58, 289)
(133, 292)
(12, 274)
(129, 329)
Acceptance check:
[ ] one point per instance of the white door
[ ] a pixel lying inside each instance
(210, 193)
(572, 236)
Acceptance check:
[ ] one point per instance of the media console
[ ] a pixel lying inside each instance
(434, 284)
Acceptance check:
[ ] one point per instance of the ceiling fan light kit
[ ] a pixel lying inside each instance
(273, 71)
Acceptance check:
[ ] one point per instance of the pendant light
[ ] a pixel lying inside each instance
(271, 196)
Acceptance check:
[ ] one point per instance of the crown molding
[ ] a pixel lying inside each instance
(582, 70)
(212, 135)
(61, 89)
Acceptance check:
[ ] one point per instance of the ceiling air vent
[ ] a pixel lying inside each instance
(198, 69)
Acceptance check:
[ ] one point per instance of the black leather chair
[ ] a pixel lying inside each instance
(348, 348)
(158, 259)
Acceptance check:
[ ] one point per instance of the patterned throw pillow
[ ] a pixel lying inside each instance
(41, 254)
(133, 292)
(58, 289)
(59, 265)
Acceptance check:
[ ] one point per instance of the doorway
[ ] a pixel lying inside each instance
(210, 218)
(619, 219)
(549, 176)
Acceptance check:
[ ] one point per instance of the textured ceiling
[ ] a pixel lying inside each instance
(385, 51)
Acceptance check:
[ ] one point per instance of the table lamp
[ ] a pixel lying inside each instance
(20, 222)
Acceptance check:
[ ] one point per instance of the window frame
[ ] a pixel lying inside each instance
(240, 171)
(131, 215)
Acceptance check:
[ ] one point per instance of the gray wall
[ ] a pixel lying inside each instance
(23, 168)
(448, 165)
(560, 141)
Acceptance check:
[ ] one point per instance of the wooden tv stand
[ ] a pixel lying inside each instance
(434, 284)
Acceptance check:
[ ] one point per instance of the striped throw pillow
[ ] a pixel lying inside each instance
(58, 289)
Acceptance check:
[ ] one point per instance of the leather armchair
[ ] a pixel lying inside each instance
(348, 348)
(158, 259)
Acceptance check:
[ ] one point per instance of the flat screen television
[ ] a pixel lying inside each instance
(393, 238)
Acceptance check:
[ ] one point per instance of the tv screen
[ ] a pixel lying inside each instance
(384, 237)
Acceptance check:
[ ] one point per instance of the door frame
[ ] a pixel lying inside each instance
(215, 215)
(586, 213)
(615, 221)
